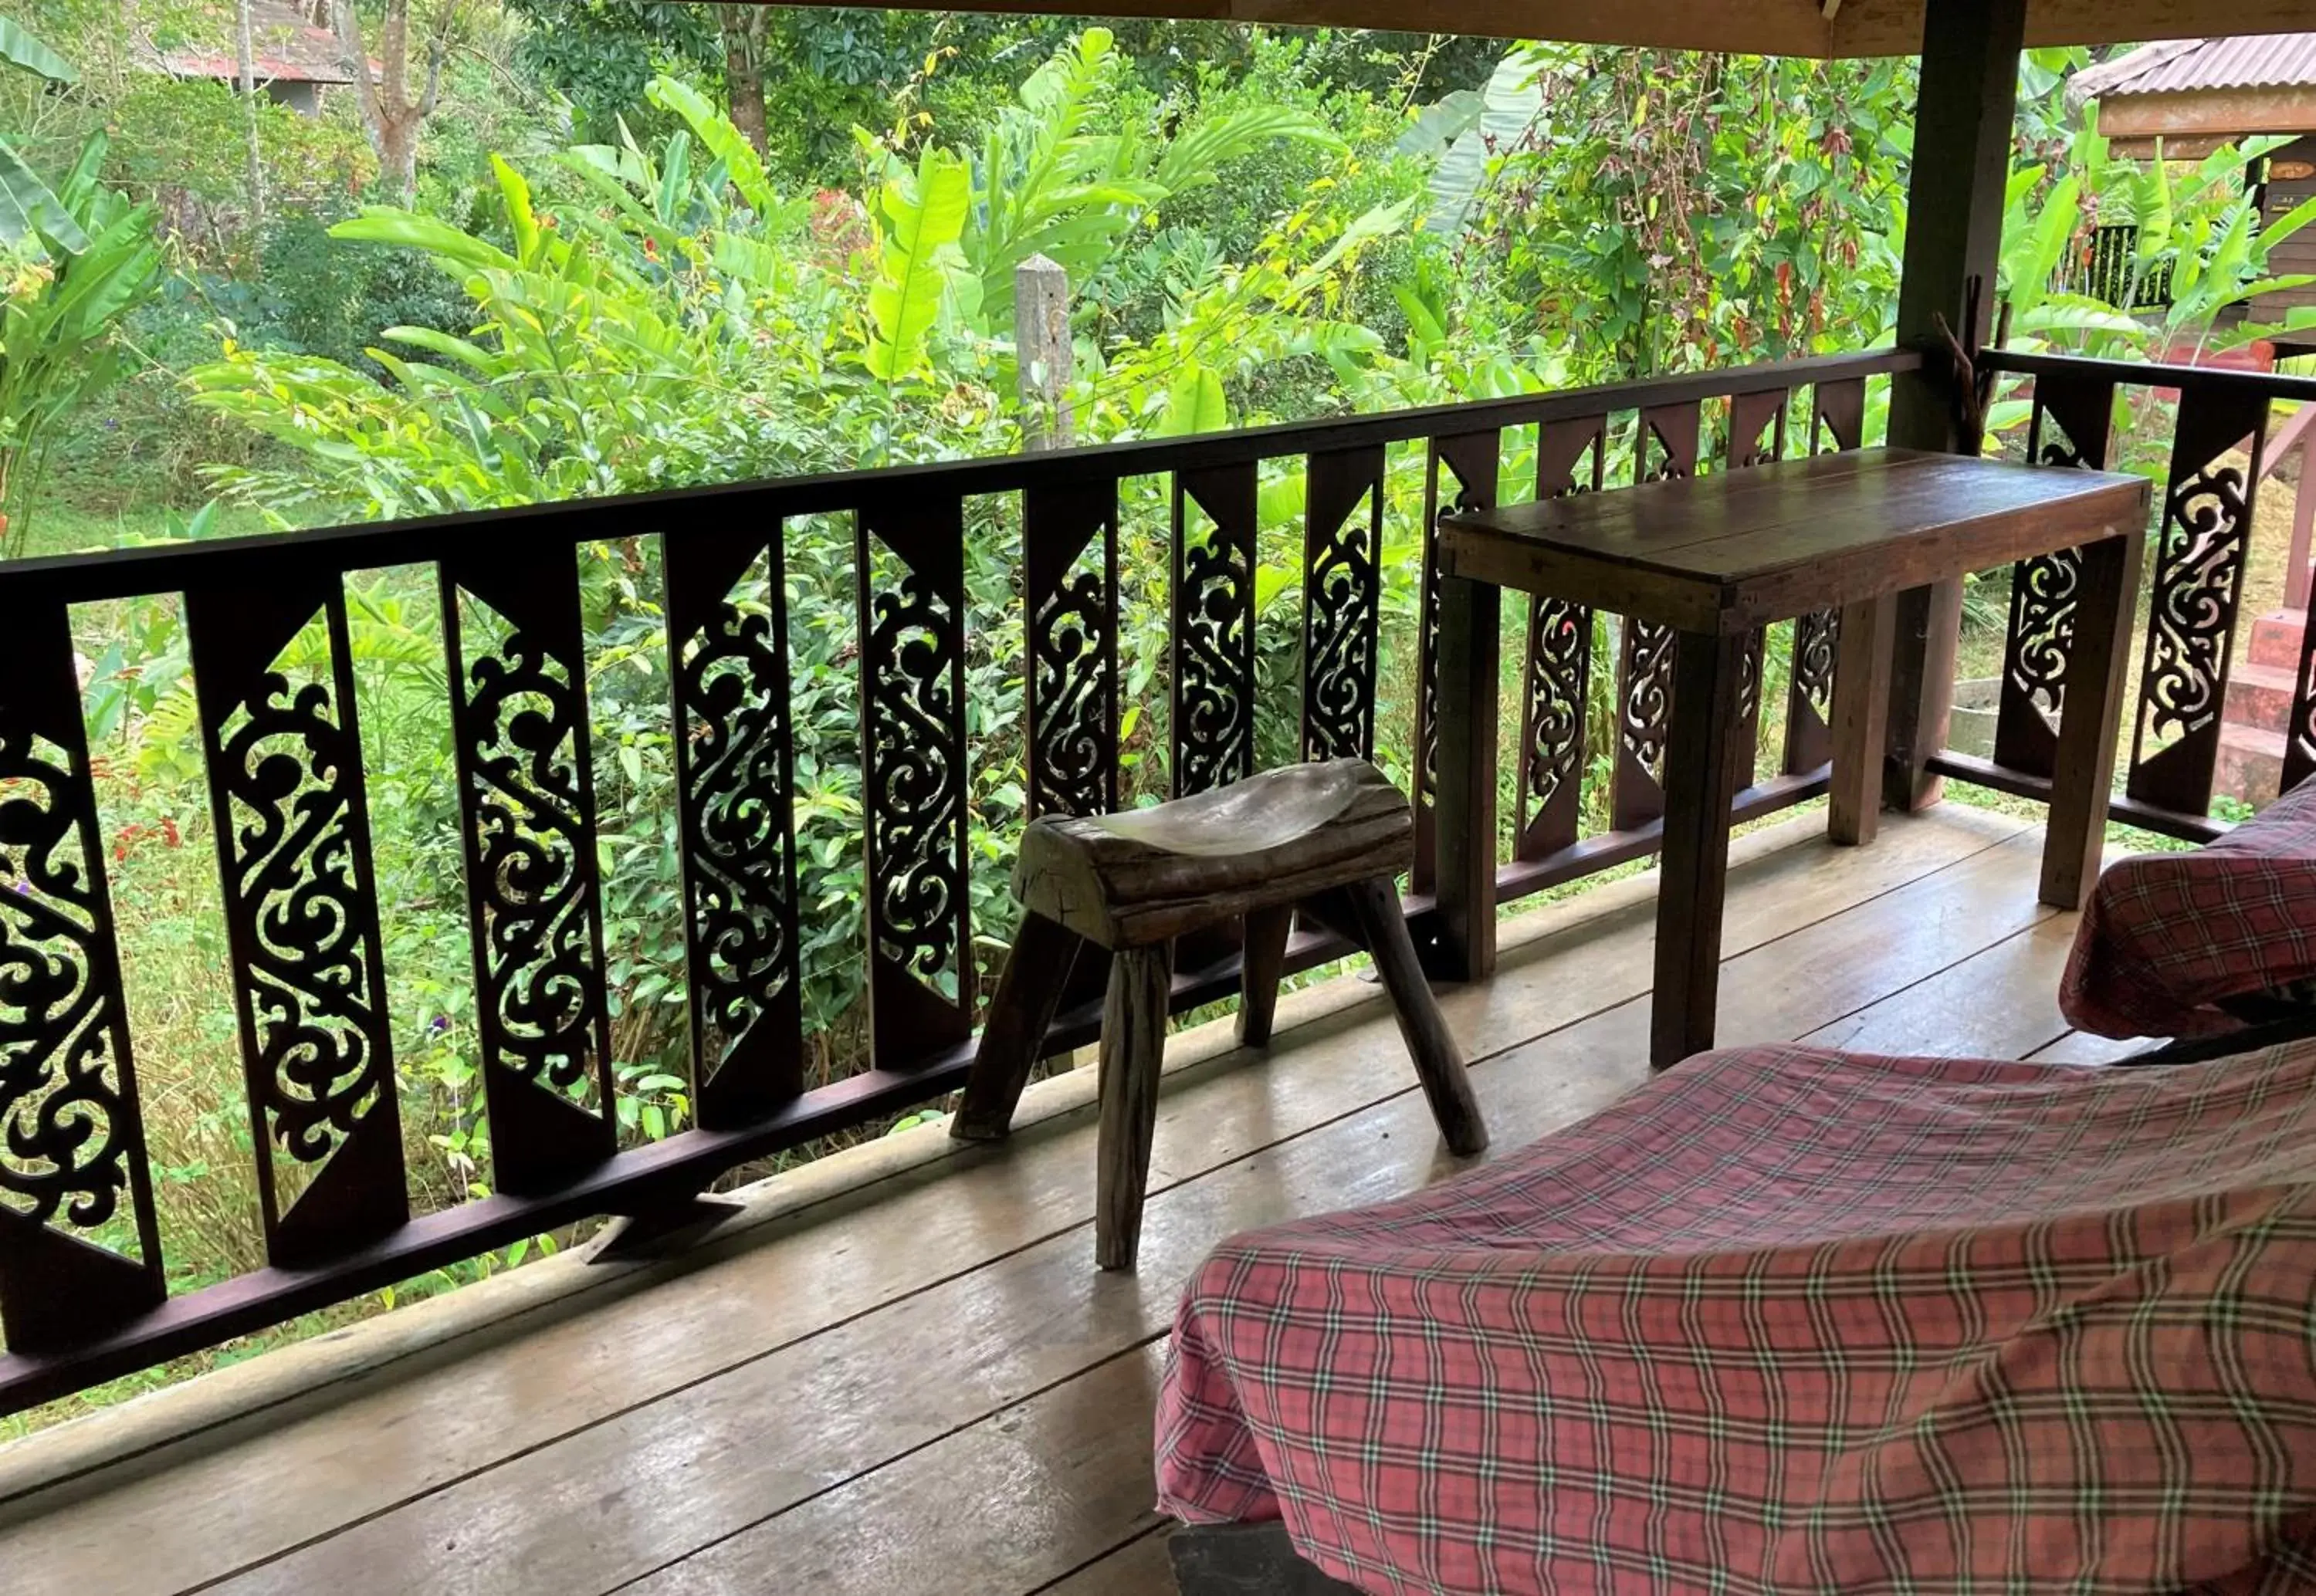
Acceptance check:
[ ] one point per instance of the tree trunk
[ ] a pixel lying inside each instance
(742, 27)
(248, 64)
(391, 118)
(397, 143)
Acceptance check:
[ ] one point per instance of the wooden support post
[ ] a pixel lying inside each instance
(1042, 352)
(1861, 702)
(1968, 103)
(2082, 774)
(1470, 616)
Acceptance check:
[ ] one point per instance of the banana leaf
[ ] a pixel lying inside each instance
(30, 210)
(20, 48)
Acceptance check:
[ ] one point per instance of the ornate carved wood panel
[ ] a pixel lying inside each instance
(273, 666)
(727, 626)
(2207, 517)
(1343, 602)
(1069, 537)
(1757, 437)
(1214, 627)
(1666, 444)
(1809, 699)
(526, 787)
(1836, 424)
(1757, 427)
(1473, 462)
(921, 974)
(72, 1143)
(1837, 416)
(1665, 450)
(2070, 424)
(1571, 457)
(1644, 667)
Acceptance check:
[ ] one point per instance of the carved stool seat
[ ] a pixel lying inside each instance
(1326, 838)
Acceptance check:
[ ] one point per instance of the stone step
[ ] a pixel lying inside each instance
(2276, 638)
(2261, 696)
(2250, 764)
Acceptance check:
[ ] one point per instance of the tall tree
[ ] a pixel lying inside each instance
(393, 119)
(743, 29)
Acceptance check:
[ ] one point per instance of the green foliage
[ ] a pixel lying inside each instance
(2199, 232)
(1736, 207)
(58, 317)
(335, 297)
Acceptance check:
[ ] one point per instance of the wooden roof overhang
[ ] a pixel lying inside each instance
(1826, 29)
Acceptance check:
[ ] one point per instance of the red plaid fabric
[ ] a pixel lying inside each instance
(1792, 1320)
(2169, 936)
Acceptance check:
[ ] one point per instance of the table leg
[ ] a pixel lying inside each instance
(1465, 794)
(1700, 783)
(1861, 710)
(2082, 774)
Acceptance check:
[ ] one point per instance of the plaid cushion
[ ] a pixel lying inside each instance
(1788, 1319)
(2170, 936)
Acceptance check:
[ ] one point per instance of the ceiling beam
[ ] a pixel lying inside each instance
(1754, 27)
(2215, 113)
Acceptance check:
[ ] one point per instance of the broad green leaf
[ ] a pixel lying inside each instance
(1443, 121)
(674, 178)
(925, 218)
(20, 48)
(2290, 222)
(450, 247)
(1195, 403)
(436, 342)
(1513, 102)
(520, 218)
(723, 140)
(2274, 285)
(30, 211)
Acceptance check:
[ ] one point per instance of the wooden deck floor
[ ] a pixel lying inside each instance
(921, 1385)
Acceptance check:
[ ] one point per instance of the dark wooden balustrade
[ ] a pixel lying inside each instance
(302, 911)
(2202, 547)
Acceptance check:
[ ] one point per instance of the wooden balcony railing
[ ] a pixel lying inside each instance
(2202, 548)
(79, 1304)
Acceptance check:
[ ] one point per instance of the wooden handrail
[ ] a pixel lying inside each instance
(286, 799)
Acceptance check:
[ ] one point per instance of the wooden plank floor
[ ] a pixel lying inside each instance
(927, 1387)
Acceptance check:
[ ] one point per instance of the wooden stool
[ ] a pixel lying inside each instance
(1328, 837)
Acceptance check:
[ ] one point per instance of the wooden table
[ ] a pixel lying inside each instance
(1717, 557)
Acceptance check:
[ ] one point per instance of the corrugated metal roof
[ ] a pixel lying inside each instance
(288, 48)
(2250, 61)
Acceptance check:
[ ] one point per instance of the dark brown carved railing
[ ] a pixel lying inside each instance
(287, 795)
(2195, 591)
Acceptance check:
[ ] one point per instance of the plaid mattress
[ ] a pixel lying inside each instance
(1794, 1320)
(2169, 936)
